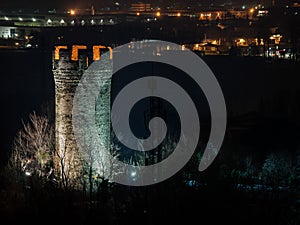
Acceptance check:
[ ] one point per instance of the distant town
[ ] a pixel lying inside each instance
(246, 30)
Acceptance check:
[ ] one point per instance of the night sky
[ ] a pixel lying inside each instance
(62, 5)
(43, 3)
(86, 3)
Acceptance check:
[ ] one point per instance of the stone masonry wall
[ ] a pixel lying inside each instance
(67, 74)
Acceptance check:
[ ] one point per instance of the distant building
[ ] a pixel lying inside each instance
(9, 32)
(140, 7)
(207, 48)
(239, 14)
(212, 15)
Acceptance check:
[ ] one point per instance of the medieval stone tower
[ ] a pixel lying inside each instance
(69, 64)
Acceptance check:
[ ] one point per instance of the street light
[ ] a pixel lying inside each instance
(133, 174)
(27, 173)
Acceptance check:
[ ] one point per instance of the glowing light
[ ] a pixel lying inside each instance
(92, 22)
(178, 14)
(241, 42)
(57, 50)
(72, 12)
(205, 16)
(133, 174)
(62, 21)
(137, 13)
(21, 19)
(158, 14)
(251, 10)
(27, 173)
(49, 21)
(75, 49)
(96, 52)
(222, 27)
(110, 52)
(276, 38)
(6, 18)
(33, 19)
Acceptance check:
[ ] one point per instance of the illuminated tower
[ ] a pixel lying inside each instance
(69, 64)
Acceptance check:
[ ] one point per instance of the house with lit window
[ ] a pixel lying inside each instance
(207, 48)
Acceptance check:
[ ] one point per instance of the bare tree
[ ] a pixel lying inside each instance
(60, 156)
(33, 148)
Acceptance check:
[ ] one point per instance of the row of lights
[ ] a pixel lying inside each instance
(61, 21)
(72, 12)
(20, 19)
(49, 21)
(158, 14)
(256, 7)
